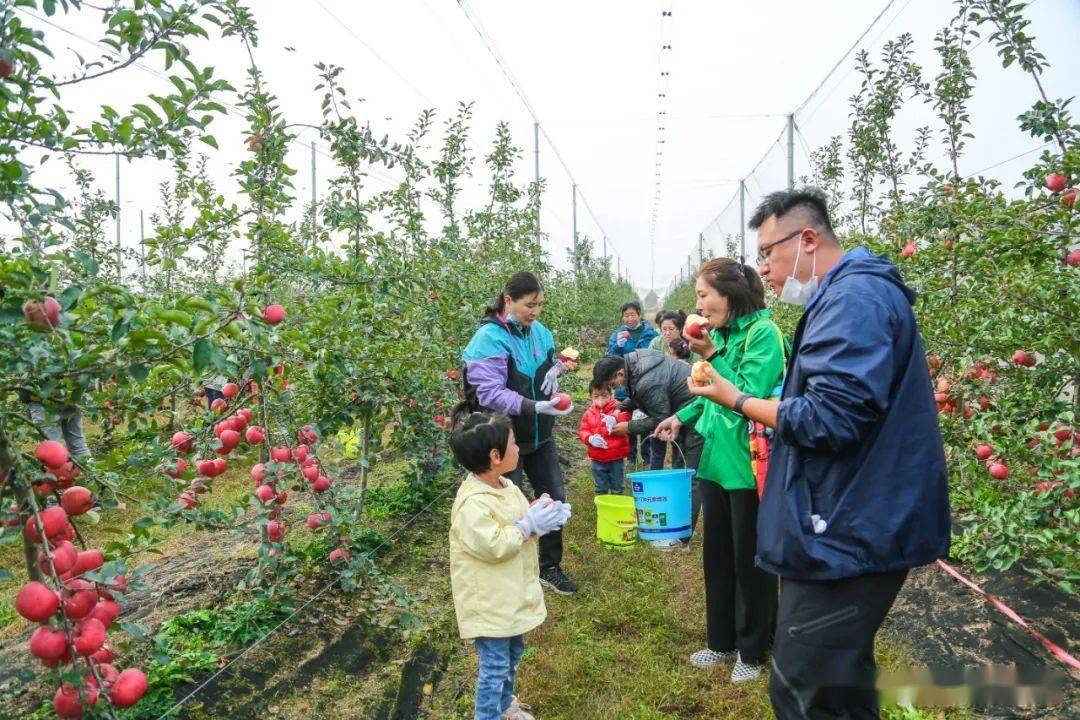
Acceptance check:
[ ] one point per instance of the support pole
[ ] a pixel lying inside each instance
(701, 247)
(742, 221)
(536, 175)
(314, 202)
(577, 262)
(791, 151)
(119, 261)
(142, 246)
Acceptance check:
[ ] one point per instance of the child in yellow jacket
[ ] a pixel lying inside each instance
(494, 560)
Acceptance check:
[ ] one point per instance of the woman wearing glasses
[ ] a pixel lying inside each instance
(745, 346)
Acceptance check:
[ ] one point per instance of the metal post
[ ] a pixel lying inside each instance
(742, 221)
(314, 202)
(536, 174)
(791, 151)
(142, 246)
(701, 247)
(119, 263)
(575, 245)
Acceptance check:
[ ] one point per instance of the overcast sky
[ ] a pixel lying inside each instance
(590, 70)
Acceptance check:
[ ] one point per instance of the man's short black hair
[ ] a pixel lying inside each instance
(810, 200)
(632, 305)
(606, 367)
(475, 435)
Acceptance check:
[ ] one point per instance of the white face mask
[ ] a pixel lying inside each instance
(795, 291)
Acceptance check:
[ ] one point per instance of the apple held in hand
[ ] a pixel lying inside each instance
(696, 326)
(561, 401)
(699, 373)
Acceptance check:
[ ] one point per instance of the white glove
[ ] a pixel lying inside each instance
(547, 407)
(541, 518)
(597, 441)
(621, 342)
(610, 421)
(564, 511)
(819, 525)
(551, 381)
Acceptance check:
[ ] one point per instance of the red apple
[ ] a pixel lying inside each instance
(1074, 257)
(183, 442)
(53, 519)
(229, 439)
(265, 493)
(255, 435)
(273, 314)
(6, 68)
(998, 470)
(106, 612)
(103, 656)
(321, 484)
(188, 500)
(219, 405)
(89, 636)
(88, 561)
(908, 251)
(275, 530)
(311, 472)
(177, 469)
(230, 390)
(36, 601)
(255, 141)
(307, 435)
(128, 688)
(317, 520)
(66, 701)
(64, 557)
(205, 468)
(339, 555)
(48, 643)
(301, 452)
(1055, 182)
(562, 401)
(280, 454)
(51, 454)
(1068, 198)
(259, 473)
(77, 500)
(983, 452)
(220, 466)
(1020, 357)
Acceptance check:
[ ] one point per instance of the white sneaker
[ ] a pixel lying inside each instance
(516, 711)
(707, 658)
(743, 671)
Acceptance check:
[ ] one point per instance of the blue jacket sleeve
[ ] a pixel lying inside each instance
(846, 356)
(612, 348)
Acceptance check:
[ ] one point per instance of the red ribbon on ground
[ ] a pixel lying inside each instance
(1008, 612)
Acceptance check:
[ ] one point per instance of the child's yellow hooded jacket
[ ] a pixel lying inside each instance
(494, 570)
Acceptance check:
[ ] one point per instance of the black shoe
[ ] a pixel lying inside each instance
(554, 578)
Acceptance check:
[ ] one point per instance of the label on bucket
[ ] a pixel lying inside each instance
(637, 487)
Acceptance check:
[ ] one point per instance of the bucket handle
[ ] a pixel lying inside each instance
(679, 448)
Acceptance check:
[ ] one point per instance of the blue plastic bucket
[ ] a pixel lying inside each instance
(662, 503)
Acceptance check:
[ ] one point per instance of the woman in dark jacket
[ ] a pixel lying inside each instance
(511, 367)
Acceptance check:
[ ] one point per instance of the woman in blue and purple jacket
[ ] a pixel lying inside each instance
(511, 367)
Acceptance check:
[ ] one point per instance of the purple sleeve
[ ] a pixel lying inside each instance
(488, 376)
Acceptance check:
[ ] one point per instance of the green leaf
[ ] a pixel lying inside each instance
(201, 354)
(139, 372)
(70, 296)
(210, 140)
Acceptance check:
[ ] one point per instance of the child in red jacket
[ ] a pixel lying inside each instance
(608, 452)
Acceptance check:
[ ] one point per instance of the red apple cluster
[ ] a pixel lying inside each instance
(74, 612)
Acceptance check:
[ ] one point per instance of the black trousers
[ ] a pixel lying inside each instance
(541, 465)
(823, 659)
(740, 599)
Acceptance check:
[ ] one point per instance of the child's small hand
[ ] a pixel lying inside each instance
(598, 441)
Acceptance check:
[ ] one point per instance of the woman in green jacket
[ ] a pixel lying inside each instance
(745, 346)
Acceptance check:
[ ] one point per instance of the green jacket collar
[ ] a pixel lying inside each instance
(741, 323)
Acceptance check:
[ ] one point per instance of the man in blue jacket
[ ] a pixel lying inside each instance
(856, 492)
